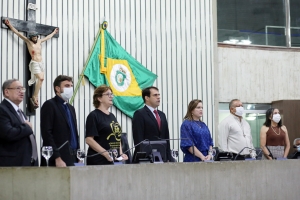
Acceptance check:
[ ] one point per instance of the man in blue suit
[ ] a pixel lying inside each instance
(149, 122)
(17, 142)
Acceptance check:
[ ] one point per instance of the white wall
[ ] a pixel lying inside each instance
(172, 38)
(258, 75)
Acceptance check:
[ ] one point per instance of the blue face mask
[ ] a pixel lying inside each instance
(298, 148)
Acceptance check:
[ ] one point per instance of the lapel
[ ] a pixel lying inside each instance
(151, 115)
(61, 109)
(12, 110)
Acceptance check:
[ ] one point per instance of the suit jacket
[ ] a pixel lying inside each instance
(15, 145)
(55, 131)
(145, 126)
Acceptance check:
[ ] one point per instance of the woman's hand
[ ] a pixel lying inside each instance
(208, 157)
(124, 157)
(202, 158)
(106, 155)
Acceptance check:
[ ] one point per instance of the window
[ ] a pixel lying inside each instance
(259, 22)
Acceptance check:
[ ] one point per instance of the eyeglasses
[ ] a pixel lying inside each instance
(109, 94)
(20, 89)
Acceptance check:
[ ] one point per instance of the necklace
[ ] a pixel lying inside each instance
(197, 124)
(241, 126)
(275, 131)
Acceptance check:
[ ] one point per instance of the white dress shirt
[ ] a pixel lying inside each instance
(152, 110)
(14, 106)
(234, 135)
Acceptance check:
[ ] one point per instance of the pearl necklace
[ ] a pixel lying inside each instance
(275, 131)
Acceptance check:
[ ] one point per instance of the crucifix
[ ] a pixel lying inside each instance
(34, 69)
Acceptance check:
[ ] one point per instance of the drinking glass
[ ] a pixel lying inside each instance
(174, 153)
(252, 154)
(47, 152)
(111, 155)
(212, 154)
(115, 153)
(81, 155)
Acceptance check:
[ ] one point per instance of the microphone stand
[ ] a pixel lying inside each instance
(242, 151)
(180, 139)
(135, 146)
(61, 146)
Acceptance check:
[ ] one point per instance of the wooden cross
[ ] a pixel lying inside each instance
(29, 26)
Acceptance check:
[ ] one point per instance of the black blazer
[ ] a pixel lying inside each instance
(15, 145)
(144, 126)
(55, 131)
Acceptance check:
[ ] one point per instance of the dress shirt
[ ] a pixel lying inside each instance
(234, 135)
(14, 106)
(152, 110)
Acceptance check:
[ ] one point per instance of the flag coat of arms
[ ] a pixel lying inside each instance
(112, 65)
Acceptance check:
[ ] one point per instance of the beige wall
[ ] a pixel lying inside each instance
(258, 75)
(251, 180)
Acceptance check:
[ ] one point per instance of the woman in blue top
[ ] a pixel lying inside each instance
(197, 132)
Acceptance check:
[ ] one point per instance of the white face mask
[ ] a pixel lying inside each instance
(67, 94)
(276, 118)
(239, 111)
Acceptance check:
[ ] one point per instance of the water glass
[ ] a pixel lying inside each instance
(47, 152)
(174, 153)
(212, 154)
(81, 155)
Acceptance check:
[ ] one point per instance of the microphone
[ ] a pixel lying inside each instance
(180, 139)
(135, 146)
(243, 150)
(62, 145)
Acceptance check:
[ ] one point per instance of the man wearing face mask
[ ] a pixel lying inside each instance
(59, 124)
(235, 133)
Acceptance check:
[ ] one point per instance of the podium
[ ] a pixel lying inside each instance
(211, 180)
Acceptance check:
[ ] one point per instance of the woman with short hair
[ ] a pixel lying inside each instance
(103, 132)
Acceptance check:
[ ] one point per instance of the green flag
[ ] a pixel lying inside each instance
(110, 64)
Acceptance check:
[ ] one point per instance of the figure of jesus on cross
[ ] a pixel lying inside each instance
(36, 65)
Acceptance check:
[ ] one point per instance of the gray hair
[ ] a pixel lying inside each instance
(296, 141)
(7, 84)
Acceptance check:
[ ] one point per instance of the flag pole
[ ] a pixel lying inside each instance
(85, 65)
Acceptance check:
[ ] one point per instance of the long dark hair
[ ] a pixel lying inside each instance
(269, 113)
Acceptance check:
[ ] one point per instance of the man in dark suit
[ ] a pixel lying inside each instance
(17, 142)
(150, 123)
(59, 124)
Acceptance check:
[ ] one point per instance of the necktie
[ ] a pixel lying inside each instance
(32, 138)
(73, 141)
(157, 118)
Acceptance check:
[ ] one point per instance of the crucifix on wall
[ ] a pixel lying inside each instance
(34, 69)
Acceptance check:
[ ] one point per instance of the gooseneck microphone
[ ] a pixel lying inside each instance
(135, 146)
(180, 139)
(243, 150)
(61, 146)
